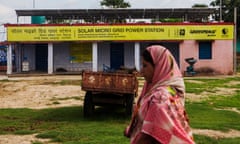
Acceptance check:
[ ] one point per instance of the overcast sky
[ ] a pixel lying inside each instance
(19, 4)
(8, 15)
(7, 7)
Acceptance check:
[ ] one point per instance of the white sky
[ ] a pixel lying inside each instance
(8, 15)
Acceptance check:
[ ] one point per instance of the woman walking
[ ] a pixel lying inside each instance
(159, 116)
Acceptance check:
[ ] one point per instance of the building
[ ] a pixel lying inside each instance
(94, 38)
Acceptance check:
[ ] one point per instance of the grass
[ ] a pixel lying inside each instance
(205, 116)
(68, 126)
(209, 85)
(63, 82)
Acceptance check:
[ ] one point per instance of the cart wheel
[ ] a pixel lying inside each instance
(88, 106)
(129, 104)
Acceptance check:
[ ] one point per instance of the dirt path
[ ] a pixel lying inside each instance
(40, 92)
(46, 92)
(23, 139)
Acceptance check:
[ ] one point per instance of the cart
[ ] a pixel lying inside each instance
(103, 88)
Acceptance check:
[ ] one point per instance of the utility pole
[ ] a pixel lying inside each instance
(235, 41)
(33, 3)
(220, 11)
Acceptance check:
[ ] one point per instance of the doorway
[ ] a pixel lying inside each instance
(116, 55)
(173, 47)
(41, 57)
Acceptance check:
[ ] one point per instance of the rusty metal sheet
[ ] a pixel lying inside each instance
(109, 82)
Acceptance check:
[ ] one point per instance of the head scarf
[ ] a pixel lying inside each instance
(166, 71)
(165, 122)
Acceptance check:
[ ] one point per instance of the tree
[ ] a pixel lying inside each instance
(199, 6)
(228, 11)
(115, 3)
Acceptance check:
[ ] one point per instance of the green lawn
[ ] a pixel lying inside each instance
(66, 125)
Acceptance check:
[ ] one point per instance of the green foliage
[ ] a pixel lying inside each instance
(199, 6)
(67, 125)
(115, 3)
(209, 84)
(206, 116)
(4, 80)
(63, 82)
(37, 142)
(226, 102)
(228, 10)
(168, 20)
(207, 140)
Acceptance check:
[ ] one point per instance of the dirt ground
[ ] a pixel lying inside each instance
(35, 92)
(39, 92)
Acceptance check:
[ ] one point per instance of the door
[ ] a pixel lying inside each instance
(116, 55)
(173, 47)
(41, 57)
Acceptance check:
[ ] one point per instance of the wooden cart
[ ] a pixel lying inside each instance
(104, 88)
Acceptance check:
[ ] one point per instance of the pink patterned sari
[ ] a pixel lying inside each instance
(160, 111)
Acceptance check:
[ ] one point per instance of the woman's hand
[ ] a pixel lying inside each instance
(126, 132)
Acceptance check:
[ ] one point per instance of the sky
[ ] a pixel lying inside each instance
(8, 7)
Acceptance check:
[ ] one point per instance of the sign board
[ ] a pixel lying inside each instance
(81, 52)
(119, 32)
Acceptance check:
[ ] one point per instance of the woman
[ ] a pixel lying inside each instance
(159, 116)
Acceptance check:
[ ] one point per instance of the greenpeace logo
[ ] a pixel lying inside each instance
(224, 31)
(203, 31)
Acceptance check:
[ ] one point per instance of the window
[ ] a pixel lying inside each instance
(205, 50)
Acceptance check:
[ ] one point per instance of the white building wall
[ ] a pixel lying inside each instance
(28, 51)
(61, 56)
(9, 60)
(61, 59)
(129, 60)
(50, 58)
(103, 55)
(95, 56)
